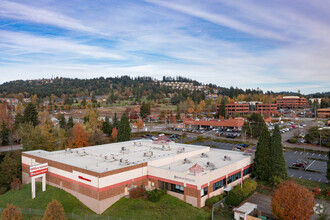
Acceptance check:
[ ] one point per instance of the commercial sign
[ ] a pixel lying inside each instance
(38, 169)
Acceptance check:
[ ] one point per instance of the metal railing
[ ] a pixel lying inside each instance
(217, 205)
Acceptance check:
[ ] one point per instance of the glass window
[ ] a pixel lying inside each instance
(219, 184)
(204, 191)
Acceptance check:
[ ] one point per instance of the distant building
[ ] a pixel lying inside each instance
(323, 112)
(292, 102)
(247, 108)
(223, 124)
(314, 100)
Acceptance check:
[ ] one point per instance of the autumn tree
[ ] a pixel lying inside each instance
(11, 213)
(292, 201)
(139, 124)
(124, 129)
(114, 133)
(80, 137)
(54, 211)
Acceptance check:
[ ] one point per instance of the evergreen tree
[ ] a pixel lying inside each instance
(261, 164)
(254, 125)
(278, 164)
(18, 120)
(222, 109)
(107, 127)
(70, 122)
(145, 109)
(83, 103)
(62, 121)
(124, 129)
(328, 170)
(30, 114)
(115, 121)
(4, 133)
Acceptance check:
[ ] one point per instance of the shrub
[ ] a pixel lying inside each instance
(11, 213)
(238, 194)
(293, 140)
(317, 191)
(275, 180)
(16, 184)
(328, 191)
(137, 192)
(200, 137)
(156, 194)
(211, 201)
(54, 211)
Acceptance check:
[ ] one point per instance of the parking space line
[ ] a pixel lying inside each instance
(325, 155)
(295, 152)
(319, 180)
(319, 155)
(313, 154)
(310, 178)
(307, 153)
(301, 153)
(291, 175)
(310, 164)
(300, 177)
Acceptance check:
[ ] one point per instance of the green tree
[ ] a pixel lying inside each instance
(278, 164)
(70, 122)
(106, 126)
(83, 102)
(254, 125)
(18, 120)
(10, 167)
(54, 211)
(115, 121)
(145, 109)
(262, 164)
(31, 114)
(62, 121)
(124, 129)
(222, 109)
(4, 134)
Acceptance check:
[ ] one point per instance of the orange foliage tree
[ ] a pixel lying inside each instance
(114, 133)
(139, 124)
(80, 137)
(11, 213)
(292, 201)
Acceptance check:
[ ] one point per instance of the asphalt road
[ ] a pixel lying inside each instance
(11, 148)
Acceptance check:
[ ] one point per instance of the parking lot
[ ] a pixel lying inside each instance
(315, 169)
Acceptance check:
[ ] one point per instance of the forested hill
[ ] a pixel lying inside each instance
(124, 85)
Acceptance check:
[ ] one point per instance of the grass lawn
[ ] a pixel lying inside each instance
(168, 207)
(22, 199)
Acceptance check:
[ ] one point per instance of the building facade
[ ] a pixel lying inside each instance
(247, 108)
(323, 112)
(292, 102)
(100, 175)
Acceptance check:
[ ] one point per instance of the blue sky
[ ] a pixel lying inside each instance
(274, 45)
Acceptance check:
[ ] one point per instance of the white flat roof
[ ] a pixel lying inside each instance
(103, 158)
(211, 160)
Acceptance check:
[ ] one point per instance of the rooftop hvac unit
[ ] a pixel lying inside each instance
(111, 157)
(226, 158)
(68, 150)
(204, 155)
(123, 161)
(148, 154)
(186, 160)
(180, 149)
(210, 165)
(123, 148)
(166, 147)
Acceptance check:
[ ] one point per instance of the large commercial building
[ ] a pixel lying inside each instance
(247, 108)
(236, 123)
(292, 102)
(100, 175)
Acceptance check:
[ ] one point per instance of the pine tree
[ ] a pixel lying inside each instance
(222, 109)
(261, 164)
(124, 129)
(115, 121)
(70, 122)
(31, 114)
(107, 127)
(62, 121)
(278, 164)
(4, 134)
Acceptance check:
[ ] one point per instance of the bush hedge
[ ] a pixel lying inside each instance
(156, 194)
(137, 192)
(211, 201)
(238, 194)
